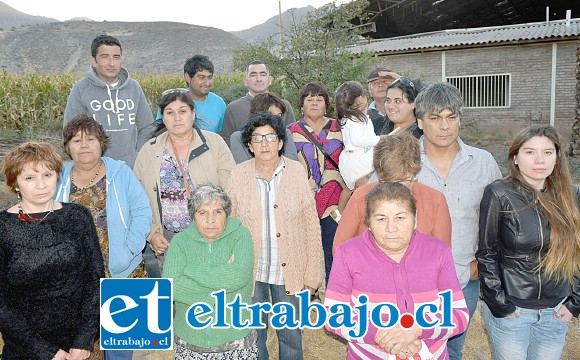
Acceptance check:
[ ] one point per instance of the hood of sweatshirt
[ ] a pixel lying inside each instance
(63, 187)
(116, 103)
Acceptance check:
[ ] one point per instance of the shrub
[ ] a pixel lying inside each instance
(35, 103)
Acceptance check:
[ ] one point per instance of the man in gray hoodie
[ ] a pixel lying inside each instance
(113, 99)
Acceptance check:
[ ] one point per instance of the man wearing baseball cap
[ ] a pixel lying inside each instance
(379, 80)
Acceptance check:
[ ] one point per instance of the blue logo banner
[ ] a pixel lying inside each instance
(136, 314)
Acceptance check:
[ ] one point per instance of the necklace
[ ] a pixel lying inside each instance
(24, 216)
(92, 180)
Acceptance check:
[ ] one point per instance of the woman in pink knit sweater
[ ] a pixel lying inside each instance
(393, 264)
(271, 196)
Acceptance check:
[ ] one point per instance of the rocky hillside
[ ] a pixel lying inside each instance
(148, 47)
(10, 17)
(271, 27)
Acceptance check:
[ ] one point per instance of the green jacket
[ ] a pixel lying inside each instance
(199, 268)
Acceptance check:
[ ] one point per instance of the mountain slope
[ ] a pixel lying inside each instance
(271, 26)
(148, 47)
(10, 17)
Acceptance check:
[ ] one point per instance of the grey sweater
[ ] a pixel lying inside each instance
(123, 111)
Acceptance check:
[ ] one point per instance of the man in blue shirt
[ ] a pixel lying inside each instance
(209, 107)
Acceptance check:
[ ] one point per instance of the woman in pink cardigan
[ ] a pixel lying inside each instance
(393, 263)
(271, 196)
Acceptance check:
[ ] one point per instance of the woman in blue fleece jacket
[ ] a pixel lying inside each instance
(114, 196)
(111, 191)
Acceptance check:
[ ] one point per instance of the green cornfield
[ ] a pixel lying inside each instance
(36, 102)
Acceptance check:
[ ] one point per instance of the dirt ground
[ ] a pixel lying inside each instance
(320, 345)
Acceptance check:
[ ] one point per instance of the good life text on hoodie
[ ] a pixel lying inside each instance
(122, 110)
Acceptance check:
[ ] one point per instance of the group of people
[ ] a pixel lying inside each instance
(384, 201)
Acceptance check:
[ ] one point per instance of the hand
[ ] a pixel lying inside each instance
(61, 355)
(159, 243)
(473, 272)
(396, 340)
(79, 354)
(410, 351)
(515, 314)
(564, 314)
(311, 290)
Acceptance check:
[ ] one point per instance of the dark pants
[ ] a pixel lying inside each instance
(118, 354)
(328, 229)
(289, 340)
(471, 295)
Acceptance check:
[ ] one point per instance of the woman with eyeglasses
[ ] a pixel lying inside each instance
(271, 196)
(397, 158)
(400, 105)
(358, 134)
(171, 164)
(262, 102)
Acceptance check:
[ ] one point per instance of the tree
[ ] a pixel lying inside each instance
(314, 50)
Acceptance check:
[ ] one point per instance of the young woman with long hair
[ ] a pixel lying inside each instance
(529, 250)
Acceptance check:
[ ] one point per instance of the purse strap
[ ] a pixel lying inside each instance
(187, 188)
(317, 144)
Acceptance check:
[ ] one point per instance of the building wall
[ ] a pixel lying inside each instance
(530, 67)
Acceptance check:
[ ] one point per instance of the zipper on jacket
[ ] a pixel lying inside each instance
(540, 251)
(209, 253)
(520, 257)
(214, 310)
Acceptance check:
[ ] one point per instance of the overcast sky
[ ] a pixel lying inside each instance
(229, 15)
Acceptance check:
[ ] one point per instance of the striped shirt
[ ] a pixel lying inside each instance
(269, 267)
(324, 178)
(426, 269)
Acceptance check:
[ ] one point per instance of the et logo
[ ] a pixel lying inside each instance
(136, 314)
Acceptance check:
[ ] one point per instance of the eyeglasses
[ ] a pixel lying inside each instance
(179, 90)
(257, 138)
(406, 182)
(405, 81)
(384, 82)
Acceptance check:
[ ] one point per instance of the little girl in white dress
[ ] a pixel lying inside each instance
(358, 134)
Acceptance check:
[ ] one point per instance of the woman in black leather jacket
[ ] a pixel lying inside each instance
(529, 250)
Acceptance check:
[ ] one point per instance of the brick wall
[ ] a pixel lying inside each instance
(530, 67)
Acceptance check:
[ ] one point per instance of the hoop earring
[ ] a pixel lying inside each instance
(18, 194)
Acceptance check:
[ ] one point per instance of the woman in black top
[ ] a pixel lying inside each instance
(529, 250)
(50, 263)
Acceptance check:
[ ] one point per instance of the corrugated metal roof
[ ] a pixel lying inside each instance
(474, 36)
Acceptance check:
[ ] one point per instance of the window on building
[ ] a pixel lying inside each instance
(483, 91)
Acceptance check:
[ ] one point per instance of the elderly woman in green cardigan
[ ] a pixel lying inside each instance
(214, 253)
